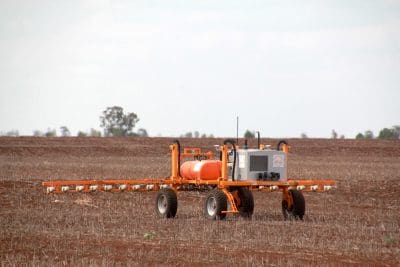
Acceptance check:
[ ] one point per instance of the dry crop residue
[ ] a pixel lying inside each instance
(356, 224)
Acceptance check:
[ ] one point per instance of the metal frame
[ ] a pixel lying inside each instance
(177, 183)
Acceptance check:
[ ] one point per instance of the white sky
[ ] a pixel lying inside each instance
(285, 67)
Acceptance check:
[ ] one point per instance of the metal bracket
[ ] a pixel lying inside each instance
(231, 200)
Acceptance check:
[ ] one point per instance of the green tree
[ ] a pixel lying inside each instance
(65, 131)
(248, 134)
(81, 134)
(303, 135)
(95, 133)
(50, 133)
(116, 123)
(38, 133)
(334, 134)
(368, 134)
(387, 133)
(188, 135)
(142, 133)
(396, 129)
(360, 136)
(14, 133)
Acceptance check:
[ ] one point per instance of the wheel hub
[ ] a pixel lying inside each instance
(162, 204)
(211, 206)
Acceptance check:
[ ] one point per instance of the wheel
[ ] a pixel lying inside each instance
(166, 203)
(298, 209)
(246, 204)
(216, 202)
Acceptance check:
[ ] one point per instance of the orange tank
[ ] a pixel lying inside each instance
(204, 169)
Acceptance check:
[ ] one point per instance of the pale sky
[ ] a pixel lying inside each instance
(283, 67)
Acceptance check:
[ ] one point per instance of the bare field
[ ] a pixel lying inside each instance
(356, 224)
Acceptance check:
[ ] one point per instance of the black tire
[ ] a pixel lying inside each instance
(216, 202)
(246, 205)
(298, 209)
(166, 203)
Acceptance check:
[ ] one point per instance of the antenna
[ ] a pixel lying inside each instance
(237, 129)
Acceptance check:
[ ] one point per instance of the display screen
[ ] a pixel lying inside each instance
(258, 163)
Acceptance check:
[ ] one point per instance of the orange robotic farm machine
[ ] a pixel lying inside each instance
(230, 180)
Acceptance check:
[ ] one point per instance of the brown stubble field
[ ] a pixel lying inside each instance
(357, 224)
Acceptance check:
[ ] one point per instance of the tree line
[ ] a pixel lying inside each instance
(196, 134)
(385, 133)
(115, 122)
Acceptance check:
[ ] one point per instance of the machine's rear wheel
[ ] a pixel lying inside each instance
(246, 205)
(166, 203)
(298, 209)
(216, 202)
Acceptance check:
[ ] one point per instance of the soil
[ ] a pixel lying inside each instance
(356, 224)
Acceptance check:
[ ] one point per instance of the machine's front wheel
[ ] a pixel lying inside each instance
(166, 203)
(216, 202)
(246, 202)
(297, 210)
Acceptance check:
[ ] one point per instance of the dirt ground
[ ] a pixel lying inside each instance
(357, 224)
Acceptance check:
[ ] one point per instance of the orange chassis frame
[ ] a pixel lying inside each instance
(176, 182)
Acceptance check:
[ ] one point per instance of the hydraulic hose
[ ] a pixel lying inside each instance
(278, 147)
(232, 143)
(179, 156)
